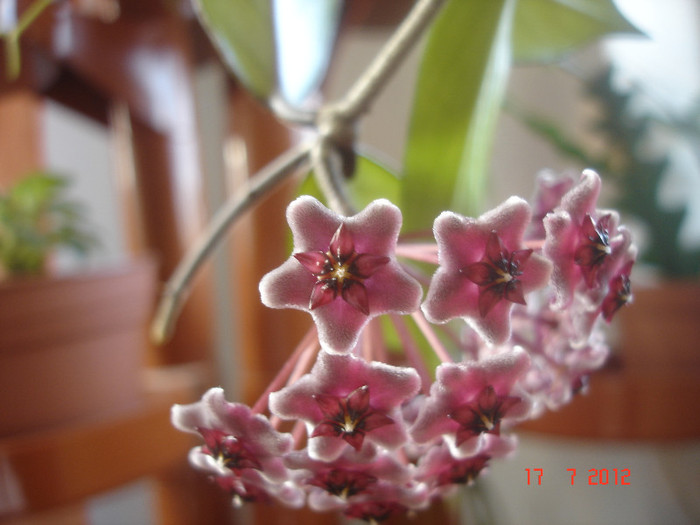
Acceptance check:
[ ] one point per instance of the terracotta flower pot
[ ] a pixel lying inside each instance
(72, 348)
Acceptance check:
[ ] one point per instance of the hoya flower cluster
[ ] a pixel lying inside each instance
(359, 421)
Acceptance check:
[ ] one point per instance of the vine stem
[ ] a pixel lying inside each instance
(336, 120)
(431, 337)
(365, 89)
(287, 370)
(12, 50)
(336, 128)
(173, 294)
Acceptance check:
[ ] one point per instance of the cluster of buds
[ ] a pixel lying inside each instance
(394, 399)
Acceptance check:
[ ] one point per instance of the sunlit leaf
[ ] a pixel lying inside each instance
(546, 29)
(242, 31)
(306, 31)
(461, 84)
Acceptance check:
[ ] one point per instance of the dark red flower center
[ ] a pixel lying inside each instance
(343, 483)
(374, 511)
(619, 294)
(594, 246)
(341, 271)
(463, 471)
(484, 414)
(227, 450)
(241, 492)
(349, 418)
(496, 274)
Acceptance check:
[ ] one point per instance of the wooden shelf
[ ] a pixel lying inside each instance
(66, 465)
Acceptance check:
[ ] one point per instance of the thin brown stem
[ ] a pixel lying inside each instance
(175, 289)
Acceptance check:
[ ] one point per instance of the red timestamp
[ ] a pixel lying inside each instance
(596, 476)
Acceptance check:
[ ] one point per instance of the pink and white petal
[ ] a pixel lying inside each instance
(559, 247)
(432, 421)
(255, 429)
(339, 325)
(494, 328)
(582, 198)
(297, 402)
(376, 228)
(287, 286)
(392, 290)
(536, 273)
(287, 493)
(468, 448)
(312, 224)
(388, 385)
(325, 448)
(390, 437)
(460, 241)
(203, 461)
(463, 382)
(509, 219)
(450, 295)
(190, 417)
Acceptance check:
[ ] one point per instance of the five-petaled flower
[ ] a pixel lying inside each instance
(497, 274)
(333, 485)
(585, 244)
(343, 270)
(484, 269)
(241, 450)
(350, 418)
(483, 414)
(347, 400)
(472, 399)
(440, 470)
(235, 439)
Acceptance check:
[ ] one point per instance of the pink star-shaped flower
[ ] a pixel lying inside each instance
(345, 400)
(472, 399)
(331, 485)
(235, 439)
(549, 189)
(343, 270)
(484, 269)
(584, 243)
(441, 471)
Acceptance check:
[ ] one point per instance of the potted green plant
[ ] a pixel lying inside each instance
(71, 346)
(36, 218)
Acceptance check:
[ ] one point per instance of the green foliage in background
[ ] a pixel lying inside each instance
(35, 219)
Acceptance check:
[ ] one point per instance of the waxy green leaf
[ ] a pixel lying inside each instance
(243, 32)
(460, 89)
(274, 46)
(544, 30)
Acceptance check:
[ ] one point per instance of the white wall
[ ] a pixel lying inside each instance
(80, 149)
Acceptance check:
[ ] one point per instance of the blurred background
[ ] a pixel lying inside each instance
(128, 101)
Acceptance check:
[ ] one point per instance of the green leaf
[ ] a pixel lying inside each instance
(371, 181)
(242, 30)
(461, 85)
(546, 29)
